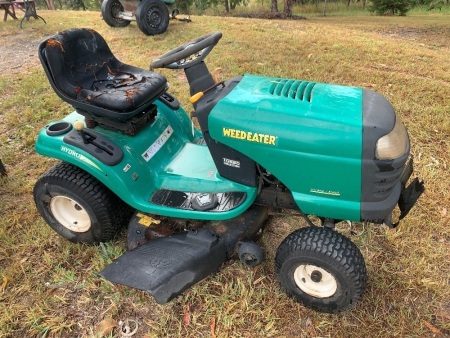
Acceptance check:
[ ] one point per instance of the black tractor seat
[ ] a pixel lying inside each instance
(83, 72)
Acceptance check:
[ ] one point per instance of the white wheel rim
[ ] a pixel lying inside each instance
(70, 214)
(315, 281)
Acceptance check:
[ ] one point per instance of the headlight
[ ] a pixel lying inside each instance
(394, 144)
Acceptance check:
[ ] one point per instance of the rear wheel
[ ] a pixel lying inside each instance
(79, 207)
(321, 268)
(110, 12)
(152, 17)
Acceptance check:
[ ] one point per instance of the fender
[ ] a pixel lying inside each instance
(136, 178)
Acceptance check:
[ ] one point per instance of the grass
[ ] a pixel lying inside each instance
(49, 287)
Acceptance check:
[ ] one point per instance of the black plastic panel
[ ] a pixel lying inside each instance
(230, 163)
(167, 266)
(170, 101)
(381, 179)
(98, 146)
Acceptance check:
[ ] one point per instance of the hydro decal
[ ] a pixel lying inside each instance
(79, 156)
(250, 136)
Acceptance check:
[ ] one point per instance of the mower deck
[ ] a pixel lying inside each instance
(167, 266)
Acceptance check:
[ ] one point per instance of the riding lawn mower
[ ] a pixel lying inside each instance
(131, 156)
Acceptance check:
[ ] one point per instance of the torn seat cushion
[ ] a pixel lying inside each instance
(85, 70)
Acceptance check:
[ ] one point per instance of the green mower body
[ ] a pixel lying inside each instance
(318, 139)
(163, 157)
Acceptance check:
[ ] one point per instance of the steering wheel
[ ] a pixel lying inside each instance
(189, 54)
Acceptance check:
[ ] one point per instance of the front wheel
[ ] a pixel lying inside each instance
(79, 207)
(321, 268)
(152, 17)
(110, 12)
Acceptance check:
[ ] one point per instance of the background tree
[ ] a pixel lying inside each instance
(400, 7)
(50, 4)
(288, 8)
(274, 8)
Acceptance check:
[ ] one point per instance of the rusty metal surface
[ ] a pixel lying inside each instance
(243, 227)
(130, 5)
(145, 227)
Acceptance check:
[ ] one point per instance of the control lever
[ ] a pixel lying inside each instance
(194, 98)
(79, 126)
(88, 138)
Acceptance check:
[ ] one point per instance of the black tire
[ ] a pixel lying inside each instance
(110, 9)
(79, 207)
(321, 268)
(152, 17)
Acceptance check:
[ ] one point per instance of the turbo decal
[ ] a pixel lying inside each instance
(231, 163)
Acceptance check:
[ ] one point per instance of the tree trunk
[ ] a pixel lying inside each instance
(50, 4)
(227, 6)
(325, 8)
(274, 6)
(288, 8)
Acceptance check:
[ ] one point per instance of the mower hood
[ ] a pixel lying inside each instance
(298, 129)
(320, 140)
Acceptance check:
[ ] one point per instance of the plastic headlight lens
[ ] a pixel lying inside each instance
(394, 144)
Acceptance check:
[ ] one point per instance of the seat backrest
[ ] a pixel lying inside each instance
(75, 57)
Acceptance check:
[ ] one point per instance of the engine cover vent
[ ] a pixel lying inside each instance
(293, 89)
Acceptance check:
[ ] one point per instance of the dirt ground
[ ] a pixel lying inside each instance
(18, 52)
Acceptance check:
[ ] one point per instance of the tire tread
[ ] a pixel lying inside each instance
(332, 244)
(114, 212)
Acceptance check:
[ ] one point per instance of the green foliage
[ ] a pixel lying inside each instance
(201, 5)
(183, 5)
(73, 4)
(234, 3)
(393, 7)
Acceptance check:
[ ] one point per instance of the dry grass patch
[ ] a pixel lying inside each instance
(49, 287)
